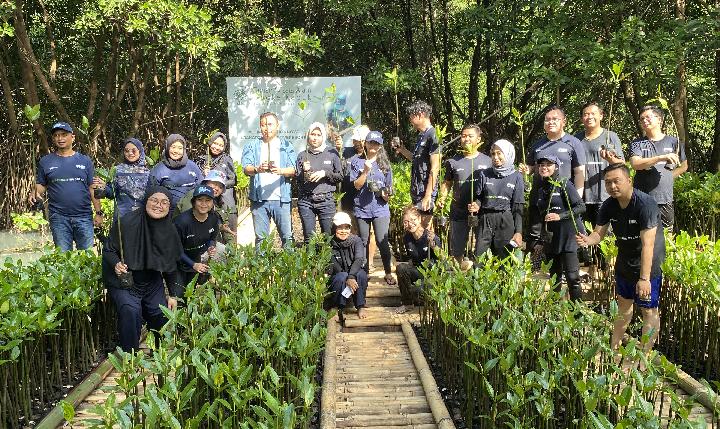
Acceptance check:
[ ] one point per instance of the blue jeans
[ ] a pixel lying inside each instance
(66, 229)
(263, 211)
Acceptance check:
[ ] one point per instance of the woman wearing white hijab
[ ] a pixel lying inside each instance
(499, 198)
(319, 173)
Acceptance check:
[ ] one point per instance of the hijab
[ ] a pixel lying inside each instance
(508, 150)
(323, 133)
(148, 244)
(169, 162)
(214, 160)
(131, 178)
(138, 144)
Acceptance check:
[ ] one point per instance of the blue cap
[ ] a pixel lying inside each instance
(61, 126)
(203, 190)
(374, 136)
(549, 157)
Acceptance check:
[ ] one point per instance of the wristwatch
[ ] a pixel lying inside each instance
(644, 278)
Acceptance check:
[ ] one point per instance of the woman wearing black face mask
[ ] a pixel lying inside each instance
(560, 207)
(142, 251)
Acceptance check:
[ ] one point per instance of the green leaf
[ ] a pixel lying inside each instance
(302, 104)
(15, 353)
(32, 113)
(68, 411)
(5, 307)
(48, 301)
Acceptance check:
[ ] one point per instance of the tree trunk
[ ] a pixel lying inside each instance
(98, 62)
(631, 103)
(715, 153)
(27, 52)
(408, 23)
(679, 106)
(445, 70)
(7, 96)
(51, 41)
(473, 84)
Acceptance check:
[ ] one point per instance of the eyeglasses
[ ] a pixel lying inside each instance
(647, 118)
(553, 120)
(409, 221)
(159, 202)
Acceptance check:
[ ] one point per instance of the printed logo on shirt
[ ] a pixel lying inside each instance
(510, 185)
(460, 169)
(190, 236)
(562, 150)
(612, 219)
(80, 166)
(192, 173)
(632, 221)
(425, 248)
(667, 149)
(327, 162)
(52, 168)
(211, 230)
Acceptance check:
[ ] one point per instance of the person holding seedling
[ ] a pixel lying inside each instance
(347, 275)
(270, 163)
(372, 176)
(571, 162)
(657, 159)
(561, 207)
(175, 171)
(67, 176)
(421, 245)
(499, 198)
(142, 251)
(318, 173)
(128, 184)
(198, 229)
(635, 218)
(425, 160)
(215, 180)
(220, 160)
(461, 175)
(602, 148)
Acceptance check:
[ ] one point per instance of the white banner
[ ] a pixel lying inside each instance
(298, 102)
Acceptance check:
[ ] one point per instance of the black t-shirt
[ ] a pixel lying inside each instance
(196, 236)
(565, 202)
(642, 213)
(497, 193)
(464, 174)
(426, 145)
(419, 250)
(568, 149)
(595, 192)
(328, 161)
(656, 181)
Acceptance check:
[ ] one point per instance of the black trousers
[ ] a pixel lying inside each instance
(135, 306)
(567, 263)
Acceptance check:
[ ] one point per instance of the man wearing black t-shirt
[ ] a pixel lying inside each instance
(425, 160)
(635, 220)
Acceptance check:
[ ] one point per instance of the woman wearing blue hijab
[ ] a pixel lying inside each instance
(130, 178)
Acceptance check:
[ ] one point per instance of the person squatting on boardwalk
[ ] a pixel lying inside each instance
(67, 176)
(561, 208)
(347, 275)
(499, 198)
(421, 245)
(215, 180)
(270, 163)
(318, 173)
(636, 222)
(198, 230)
(461, 174)
(425, 159)
(372, 176)
(175, 171)
(141, 252)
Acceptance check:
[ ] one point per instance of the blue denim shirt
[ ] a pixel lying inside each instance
(251, 156)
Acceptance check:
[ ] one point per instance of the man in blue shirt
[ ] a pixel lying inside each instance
(270, 163)
(67, 176)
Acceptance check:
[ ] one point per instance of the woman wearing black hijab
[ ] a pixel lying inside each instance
(144, 247)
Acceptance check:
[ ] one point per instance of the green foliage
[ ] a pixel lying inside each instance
(521, 355)
(399, 201)
(46, 336)
(697, 203)
(32, 113)
(30, 221)
(243, 352)
(291, 48)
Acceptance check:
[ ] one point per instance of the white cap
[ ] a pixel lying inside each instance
(341, 218)
(360, 132)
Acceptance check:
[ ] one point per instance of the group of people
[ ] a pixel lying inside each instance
(172, 218)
